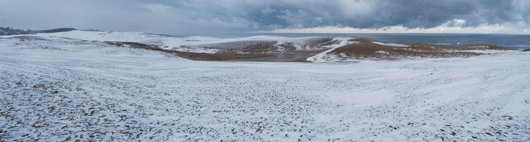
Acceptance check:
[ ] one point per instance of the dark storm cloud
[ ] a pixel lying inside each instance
(407, 13)
(206, 16)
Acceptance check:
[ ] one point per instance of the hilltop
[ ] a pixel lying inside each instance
(11, 31)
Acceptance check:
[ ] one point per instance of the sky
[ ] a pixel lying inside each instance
(199, 17)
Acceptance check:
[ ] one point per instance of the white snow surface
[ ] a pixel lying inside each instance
(390, 44)
(186, 44)
(382, 52)
(66, 89)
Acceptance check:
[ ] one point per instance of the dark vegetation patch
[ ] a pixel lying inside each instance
(245, 46)
(57, 30)
(245, 50)
(288, 46)
(287, 52)
(320, 42)
(367, 49)
(11, 31)
(188, 55)
(255, 47)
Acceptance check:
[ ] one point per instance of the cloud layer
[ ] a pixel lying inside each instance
(184, 17)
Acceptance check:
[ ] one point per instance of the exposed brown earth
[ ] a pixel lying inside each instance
(287, 52)
(367, 49)
(244, 46)
(256, 47)
(270, 51)
(320, 42)
(189, 55)
(266, 51)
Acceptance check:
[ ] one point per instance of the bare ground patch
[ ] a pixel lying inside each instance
(318, 43)
(264, 46)
(244, 47)
(367, 49)
(271, 51)
(188, 55)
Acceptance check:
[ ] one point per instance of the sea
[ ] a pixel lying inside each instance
(514, 41)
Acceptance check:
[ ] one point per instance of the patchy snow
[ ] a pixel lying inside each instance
(382, 52)
(58, 90)
(323, 57)
(391, 44)
(480, 46)
(196, 49)
(185, 44)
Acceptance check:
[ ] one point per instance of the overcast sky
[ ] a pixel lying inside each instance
(185, 17)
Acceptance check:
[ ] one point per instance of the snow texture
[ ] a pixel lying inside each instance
(391, 44)
(382, 52)
(69, 89)
(324, 57)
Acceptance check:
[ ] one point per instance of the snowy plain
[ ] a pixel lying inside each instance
(70, 89)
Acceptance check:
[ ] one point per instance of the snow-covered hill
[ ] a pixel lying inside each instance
(60, 87)
(169, 42)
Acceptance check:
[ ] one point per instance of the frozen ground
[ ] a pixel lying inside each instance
(65, 89)
(323, 57)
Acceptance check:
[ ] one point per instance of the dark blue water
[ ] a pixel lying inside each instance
(505, 40)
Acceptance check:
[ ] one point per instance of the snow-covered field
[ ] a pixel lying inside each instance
(67, 89)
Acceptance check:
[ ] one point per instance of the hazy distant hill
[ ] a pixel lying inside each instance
(11, 31)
